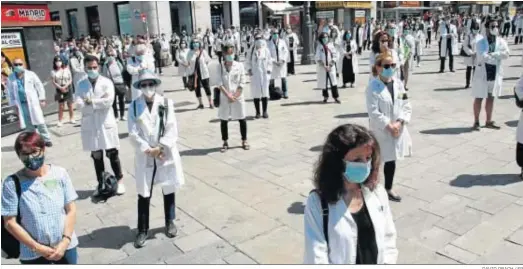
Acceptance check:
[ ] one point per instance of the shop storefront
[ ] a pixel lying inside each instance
(347, 13)
(396, 10)
(27, 33)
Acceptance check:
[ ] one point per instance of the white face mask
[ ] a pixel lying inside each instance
(149, 91)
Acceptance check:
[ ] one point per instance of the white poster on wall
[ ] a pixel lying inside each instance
(11, 40)
(359, 13)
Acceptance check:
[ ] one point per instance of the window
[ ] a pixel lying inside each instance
(93, 21)
(124, 17)
(57, 30)
(248, 13)
(72, 22)
(181, 16)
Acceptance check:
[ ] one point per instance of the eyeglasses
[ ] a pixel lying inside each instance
(387, 66)
(18, 64)
(24, 155)
(91, 67)
(150, 84)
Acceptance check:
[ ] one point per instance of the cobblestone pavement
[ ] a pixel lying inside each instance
(462, 199)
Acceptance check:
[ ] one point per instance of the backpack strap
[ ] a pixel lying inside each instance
(134, 108)
(325, 215)
(18, 188)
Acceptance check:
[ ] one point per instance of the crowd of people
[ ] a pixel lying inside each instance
(99, 75)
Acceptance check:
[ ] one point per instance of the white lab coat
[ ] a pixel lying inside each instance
(340, 51)
(410, 43)
(134, 67)
(77, 68)
(479, 79)
(354, 56)
(330, 59)
(99, 128)
(278, 71)
(208, 40)
(469, 46)
(365, 31)
(181, 57)
(419, 41)
(204, 61)
(343, 231)
(34, 92)
(454, 39)
(259, 61)
(358, 35)
(295, 43)
(519, 94)
(143, 133)
(231, 81)
(383, 110)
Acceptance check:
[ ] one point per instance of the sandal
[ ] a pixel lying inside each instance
(225, 147)
(245, 145)
(492, 125)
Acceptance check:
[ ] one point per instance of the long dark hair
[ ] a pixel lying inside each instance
(57, 59)
(328, 175)
(376, 41)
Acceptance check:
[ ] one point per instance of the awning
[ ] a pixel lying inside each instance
(278, 8)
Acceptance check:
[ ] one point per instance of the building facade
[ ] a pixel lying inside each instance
(347, 13)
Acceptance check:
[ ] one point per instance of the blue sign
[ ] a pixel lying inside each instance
(137, 14)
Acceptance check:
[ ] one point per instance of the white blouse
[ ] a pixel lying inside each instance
(62, 76)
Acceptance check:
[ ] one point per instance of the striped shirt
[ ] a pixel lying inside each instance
(41, 207)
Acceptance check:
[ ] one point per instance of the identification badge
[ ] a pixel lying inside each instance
(51, 184)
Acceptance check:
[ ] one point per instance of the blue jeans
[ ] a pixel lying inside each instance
(70, 257)
(41, 128)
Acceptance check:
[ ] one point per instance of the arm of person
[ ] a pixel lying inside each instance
(131, 68)
(241, 85)
(406, 108)
(171, 127)
(466, 48)
(390, 250)
(316, 248)
(269, 60)
(373, 108)
(503, 52)
(134, 132)
(69, 75)
(53, 79)
(106, 100)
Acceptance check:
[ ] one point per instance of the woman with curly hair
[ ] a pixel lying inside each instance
(347, 217)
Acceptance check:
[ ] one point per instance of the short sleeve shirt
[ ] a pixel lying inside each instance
(41, 207)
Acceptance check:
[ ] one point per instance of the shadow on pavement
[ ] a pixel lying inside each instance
(511, 78)
(450, 89)
(248, 118)
(82, 195)
(467, 181)
(512, 123)
(123, 135)
(199, 152)
(8, 148)
(309, 80)
(316, 148)
(351, 116)
(306, 103)
(307, 73)
(112, 237)
(508, 96)
(516, 65)
(448, 131)
(427, 73)
(296, 208)
(182, 110)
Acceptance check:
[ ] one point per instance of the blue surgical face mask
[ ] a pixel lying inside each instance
(34, 163)
(92, 74)
(196, 46)
(18, 69)
(357, 172)
(387, 72)
(275, 36)
(229, 58)
(139, 57)
(348, 36)
(325, 40)
(475, 31)
(392, 32)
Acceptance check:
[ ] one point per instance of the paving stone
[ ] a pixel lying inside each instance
(435, 238)
(504, 253)
(458, 254)
(280, 209)
(492, 203)
(461, 222)
(481, 239)
(238, 258)
(413, 252)
(197, 240)
(204, 255)
(415, 223)
(447, 205)
(517, 237)
(279, 246)
(154, 252)
(407, 205)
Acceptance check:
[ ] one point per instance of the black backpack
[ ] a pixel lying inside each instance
(10, 245)
(107, 187)
(275, 93)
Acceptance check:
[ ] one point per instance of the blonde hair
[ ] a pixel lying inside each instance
(379, 59)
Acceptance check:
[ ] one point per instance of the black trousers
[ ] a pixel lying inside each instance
(359, 50)
(334, 89)
(158, 64)
(389, 169)
(506, 29)
(185, 82)
(209, 49)
(513, 29)
(290, 64)
(265, 102)
(428, 41)
(121, 105)
(205, 84)
(468, 74)
(169, 209)
(449, 53)
(519, 154)
(519, 37)
(224, 128)
(99, 167)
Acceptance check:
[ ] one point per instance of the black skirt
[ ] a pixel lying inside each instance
(348, 71)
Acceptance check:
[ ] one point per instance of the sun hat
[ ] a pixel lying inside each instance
(144, 76)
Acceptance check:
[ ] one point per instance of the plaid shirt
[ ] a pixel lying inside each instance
(41, 207)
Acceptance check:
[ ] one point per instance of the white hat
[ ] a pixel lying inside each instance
(144, 76)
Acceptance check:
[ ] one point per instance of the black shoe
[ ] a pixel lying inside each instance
(200, 107)
(393, 197)
(476, 127)
(352, 85)
(265, 115)
(225, 147)
(441, 71)
(48, 144)
(325, 100)
(257, 116)
(452, 71)
(337, 101)
(140, 240)
(171, 230)
(344, 86)
(467, 86)
(285, 97)
(492, 125)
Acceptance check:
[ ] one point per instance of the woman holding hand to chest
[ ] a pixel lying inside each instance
(389, 112)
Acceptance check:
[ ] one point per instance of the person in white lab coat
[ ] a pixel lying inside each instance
(26, 91)
(326, 57)
(229, 77)
(383, 43)
(279, 54)
(350, 65)
(337, 42)
(183, 64)
(419, 37)
(487, 80)
(293, 42)
(358, 36)
(409, 45)
(428, 25)
(95, 96)
(469, 46)
(448, 44)
(199, 60)
(139, 62)
(518, 92)
(389, 112)
(153, 132)
(259, 66)
(348, 218)
(519, 28)
(367, 34)
(208, 41)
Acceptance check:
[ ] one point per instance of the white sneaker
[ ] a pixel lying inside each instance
(73, 121)
(121, 189)
(59, 124)
(123, 119)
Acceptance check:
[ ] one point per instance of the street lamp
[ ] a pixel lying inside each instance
(307, 56)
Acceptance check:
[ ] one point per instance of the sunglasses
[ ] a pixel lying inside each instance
(150, 84)
(18, 64)
(24, 155)
(92, 68)
(384, 41)
(387, 66)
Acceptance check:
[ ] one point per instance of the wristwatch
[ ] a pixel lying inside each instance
(68, 238)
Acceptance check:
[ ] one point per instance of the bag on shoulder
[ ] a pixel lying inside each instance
(10, 245)
(107, 187)
(325, 216)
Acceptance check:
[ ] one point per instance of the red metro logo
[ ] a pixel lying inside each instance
(25, 13)
(32, 14)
